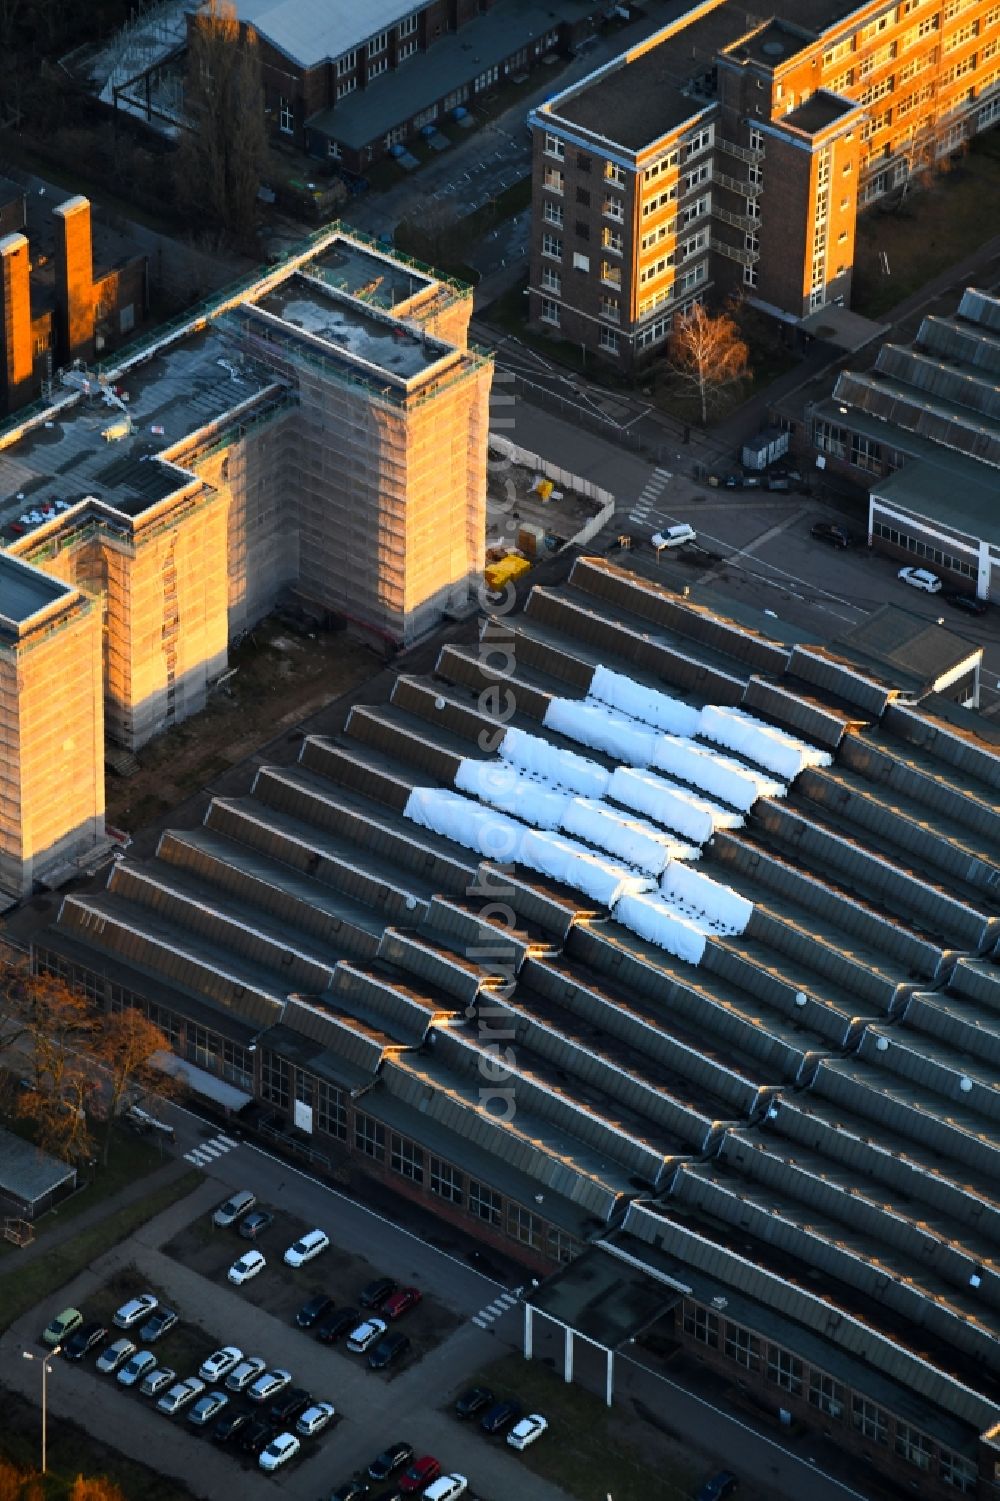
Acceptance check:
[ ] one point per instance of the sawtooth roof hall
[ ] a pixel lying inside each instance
(750, 993)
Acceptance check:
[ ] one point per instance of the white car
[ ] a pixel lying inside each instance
(136, 1367)
(269, 1385)
(315, 1419)
(245, 1267)
(279, 1451)
(135, 1310)
(157, 1381)
(305, 1249)
(221, 1363)
(114, 1355)
(445, 1488)
(248, 1370)
(365, 1335)
(527, 1430)
(920, 578)
(180, 1395)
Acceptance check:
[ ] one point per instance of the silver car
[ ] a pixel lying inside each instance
(114, 1355)
(157, 1381)
(248, 1370)
(136, 1367)
(180, 1395)
(207, 1407)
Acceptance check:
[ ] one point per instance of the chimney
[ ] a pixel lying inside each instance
(74, 281)
(16, 360)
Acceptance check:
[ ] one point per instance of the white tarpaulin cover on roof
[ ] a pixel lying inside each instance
(783, 754)
(675, 807)
(647, 704)
(573, 865)
(594, 724)
(503, 786)
(561, 767)
(470, 824)
(636, 842)
(701, 898)
(719, 775)
(651, 918)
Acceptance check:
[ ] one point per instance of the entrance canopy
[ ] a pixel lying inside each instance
(605, 1299)
(201, 1081)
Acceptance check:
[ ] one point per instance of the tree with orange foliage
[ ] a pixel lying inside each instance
(55, 1027)
(124, 1045)
(95, 1488)
(707, 354)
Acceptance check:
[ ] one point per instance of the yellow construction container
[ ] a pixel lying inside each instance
(506, 571)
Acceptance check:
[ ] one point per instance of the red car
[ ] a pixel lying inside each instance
(420, 1474)
(401, 1302)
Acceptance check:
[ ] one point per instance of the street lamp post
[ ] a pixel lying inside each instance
(45, 1371)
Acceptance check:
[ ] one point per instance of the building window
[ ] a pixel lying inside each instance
(611, 308)
(784, 1369)
(611, 274)
(202, 1047)
(406, 1158)
(551, 280)
(552, 246)
(445, 1181)
(378, 44)
(866, 453)
(614, 209)
(376, 66)
(561, 1247)
(743, 1347)
(347, 63)
(826, 1394)
(699, 142)
(554, 146)
(525, 1227)
(583, 197)
(369, 1136)
(331, 1110)
(275, 1086)
(756, 139)
(168, 1023)
(333, 150)
(956, 1470)
(614, 174)
(749, 276)
(613, 240)
(607, 340)
(484, 1203)
(830, 439)
(395, 136)
(286, 116)
(550, 312)
(552, 213)
(582, 162)
(237, 1065)
(872, 1422)
(700, 175)
(485, 79)
(913, 1446)
(665, 164)
(702, 1324)
(554, 181)
(407, 28)
(347, 86)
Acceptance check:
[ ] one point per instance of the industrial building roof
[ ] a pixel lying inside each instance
(381, 280)
(731, 988)
(26, 1173)
(24, 591)
(310, 32)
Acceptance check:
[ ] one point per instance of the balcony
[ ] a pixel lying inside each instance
(745, 189)
(735, 253)
(743, 152)
(738, 221)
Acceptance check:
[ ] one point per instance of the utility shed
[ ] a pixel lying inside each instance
(30, 1180)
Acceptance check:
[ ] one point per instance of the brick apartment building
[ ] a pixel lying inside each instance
(346, 82)
(55, 307)
(717, 156)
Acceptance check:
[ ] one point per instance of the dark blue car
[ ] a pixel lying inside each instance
(718, 1487)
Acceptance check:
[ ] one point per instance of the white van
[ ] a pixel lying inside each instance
(674, 536)
(446, 1488)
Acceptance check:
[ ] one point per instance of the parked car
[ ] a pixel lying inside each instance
(245, 1267)
(336, 1325)
(920, 578)
(315, 1419)
(365, 1335)
(269, 1385)
(115, 1355)
(62, 1326)
(311, 1244)
(446, 1488)
(135, 1310)
(234, 1208)
(388, 1351)
(255, 1223)
(157, 1381)
(673, 536)
(501, 1415)
(351, 1490)
(829, 531)
(180, 1395)
(157, 1325)
(473, 1401)
(279, 1451)
(719, 1487)
(248, 1370)
(392, 1458)
(376, 1293)
(314, 1311)
(220, 1363)
(136, 1367)
(419, 1475)
(84, 1340)
(256, 1436)
(207, 1408)
(291, 1404)
(971, 604)
(527, 1430)
(401, 1302)
(229, 1427)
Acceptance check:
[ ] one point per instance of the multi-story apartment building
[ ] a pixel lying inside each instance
(348, 82)
(713, 156)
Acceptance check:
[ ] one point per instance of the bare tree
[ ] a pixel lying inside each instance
(124, 1047)
(220, 159)
(707, 354)
(56, 1027)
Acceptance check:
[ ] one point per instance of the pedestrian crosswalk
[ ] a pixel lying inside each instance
(210, 1149)
(649, 495)
(502, 1304)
